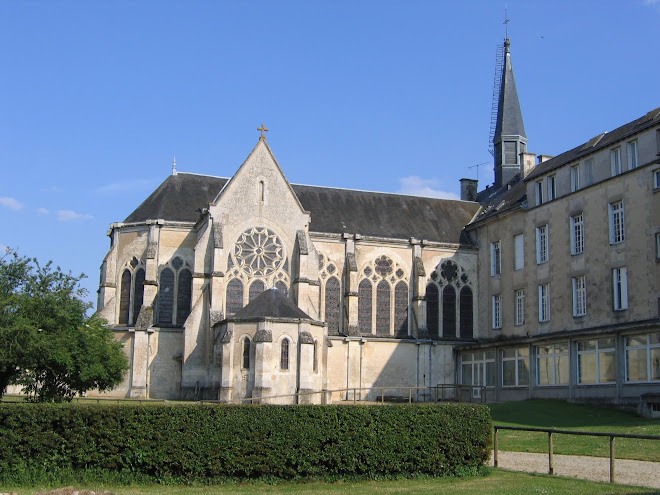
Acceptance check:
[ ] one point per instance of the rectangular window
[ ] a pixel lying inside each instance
(596, 361)
(552, 187)
(620, 288)
(656, 179)
(588, 171)
(478, 369)
(615, 159)
(575, 178)
(657, 246)
(577, 234)
(497, 311)
(519, 252)
(633, 155)
(579, 296)
(544, 302)
(539, 192)
(542, 254)
(515, 367)
(519, 310)
(643, 358)
(495, 258)
(617, 226)
(552, 364)
(510, 152)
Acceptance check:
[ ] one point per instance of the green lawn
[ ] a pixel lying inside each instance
(562, 415)
(497, 482)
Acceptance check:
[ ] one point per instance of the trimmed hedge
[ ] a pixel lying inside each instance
(211, 444)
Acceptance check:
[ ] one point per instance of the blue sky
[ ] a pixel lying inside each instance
(96, 98)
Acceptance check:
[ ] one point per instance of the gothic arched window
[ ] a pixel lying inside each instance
(284, 354)
(138, 294)
(234, 296)
(449, 311)
(125, 300)
(246, 353)
(364, 306)
(174, 293)
(433, 310)
(465, 309)
(183, 296)
(165, 296)
(282, 287)
(383, 308)
(332, 303)
(256, 288)
(401, 309)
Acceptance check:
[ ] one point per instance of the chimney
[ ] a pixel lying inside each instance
(468, 189)
(544, 158)
(528, 161)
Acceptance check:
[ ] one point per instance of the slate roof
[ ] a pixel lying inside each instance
(335, 211)
(270, 304)
(509, 115)
(597, 143)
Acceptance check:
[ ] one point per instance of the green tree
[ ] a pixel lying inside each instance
(48, 344)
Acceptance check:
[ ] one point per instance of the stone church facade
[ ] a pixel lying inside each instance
(537, 286)
(188, 263)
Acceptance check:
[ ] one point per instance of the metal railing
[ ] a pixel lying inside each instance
(435, 393)
(552, 431)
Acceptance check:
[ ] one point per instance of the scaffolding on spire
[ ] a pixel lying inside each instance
(497, 86)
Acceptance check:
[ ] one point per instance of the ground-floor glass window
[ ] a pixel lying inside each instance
(552, 364)
(643, 357)
(596, 361)
(478, 368)
(515, 367)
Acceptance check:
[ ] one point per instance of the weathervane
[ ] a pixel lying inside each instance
(506, 22)
(263, 129)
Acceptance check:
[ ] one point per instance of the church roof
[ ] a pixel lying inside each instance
(509, 115)
(180, 198)
(271, 304)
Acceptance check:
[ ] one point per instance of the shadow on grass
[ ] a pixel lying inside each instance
(560, 414)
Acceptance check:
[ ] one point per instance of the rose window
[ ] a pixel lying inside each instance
(259, 251)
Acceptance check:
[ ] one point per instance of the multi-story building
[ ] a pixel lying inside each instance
(569, 273)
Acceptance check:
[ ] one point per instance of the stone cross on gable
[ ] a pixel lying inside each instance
(263, 129)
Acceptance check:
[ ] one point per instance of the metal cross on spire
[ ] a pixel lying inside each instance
(506, 23)
(263, 129)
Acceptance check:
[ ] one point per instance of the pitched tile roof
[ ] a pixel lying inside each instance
(270, 304)
(180, 198)
(601, 141)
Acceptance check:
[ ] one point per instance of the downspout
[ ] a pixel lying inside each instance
(298, 357)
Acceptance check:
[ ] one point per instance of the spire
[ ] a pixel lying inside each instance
(509, 115)
(174, 172)
(509, 140)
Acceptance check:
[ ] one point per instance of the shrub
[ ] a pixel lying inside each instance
(210, 444)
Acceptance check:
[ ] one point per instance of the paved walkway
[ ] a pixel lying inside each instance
(627, 472)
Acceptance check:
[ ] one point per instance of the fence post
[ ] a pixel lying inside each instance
(551, 467)
(495, 447)
(382, 396)
(612, 459)
(410, 395)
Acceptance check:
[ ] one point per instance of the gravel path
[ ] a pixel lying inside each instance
(627, 472)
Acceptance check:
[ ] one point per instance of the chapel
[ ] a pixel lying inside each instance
(249, 286)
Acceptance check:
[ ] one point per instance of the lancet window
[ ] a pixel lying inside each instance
(332, 304)
(174, 293)
(131, 292)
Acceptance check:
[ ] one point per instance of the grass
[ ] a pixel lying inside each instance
(496, 482)
(562, 415)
